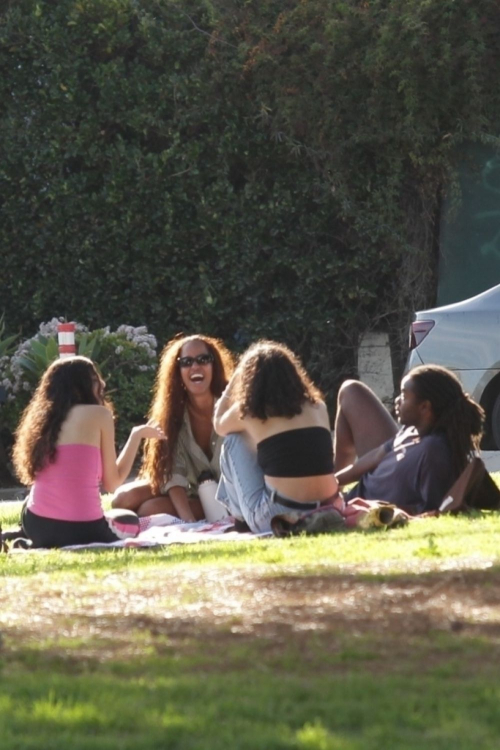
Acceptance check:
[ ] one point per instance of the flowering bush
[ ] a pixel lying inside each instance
(126, 358)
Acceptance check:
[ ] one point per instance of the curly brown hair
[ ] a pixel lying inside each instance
(65, 383)
(272, 382)
(169, 402)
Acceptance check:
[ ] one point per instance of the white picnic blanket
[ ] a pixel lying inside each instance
(164, 529)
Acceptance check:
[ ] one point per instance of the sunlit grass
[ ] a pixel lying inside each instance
(422, 544)
(157, 648)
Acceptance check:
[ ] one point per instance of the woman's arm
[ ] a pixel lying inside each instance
(227, 412)
(180, 499)
(116, 470)
(366, 463)
(229, 422)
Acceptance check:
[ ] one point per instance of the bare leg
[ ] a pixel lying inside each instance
(154, 505)
(132, 495)
(163, 504)
(362, 424)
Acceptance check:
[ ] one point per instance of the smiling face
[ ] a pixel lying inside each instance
(198, 377)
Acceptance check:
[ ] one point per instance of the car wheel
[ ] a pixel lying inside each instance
(495, 423)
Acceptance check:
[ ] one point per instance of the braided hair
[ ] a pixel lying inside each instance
(456, 414)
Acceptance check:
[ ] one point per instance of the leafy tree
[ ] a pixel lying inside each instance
(246, 169)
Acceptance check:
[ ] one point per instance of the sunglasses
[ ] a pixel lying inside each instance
(201, 359)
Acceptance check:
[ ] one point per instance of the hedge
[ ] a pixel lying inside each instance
(270, 168)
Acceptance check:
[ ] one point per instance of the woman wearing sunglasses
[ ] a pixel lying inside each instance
(65, 449)
(193, 372)
(278, 452)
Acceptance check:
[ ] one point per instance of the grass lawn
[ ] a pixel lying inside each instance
(355, 641)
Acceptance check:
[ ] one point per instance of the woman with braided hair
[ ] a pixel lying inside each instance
(415, 466)
(457, 416)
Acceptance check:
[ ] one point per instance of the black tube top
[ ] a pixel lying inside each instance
(304, 452)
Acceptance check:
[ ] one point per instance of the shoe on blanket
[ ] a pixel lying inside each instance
(241, 526)
(9, 536)
(21, 543)
(3, 543)
(319, 521)
(13, 539)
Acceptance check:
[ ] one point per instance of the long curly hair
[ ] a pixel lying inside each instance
(169, 402)
(457, 415)
(65, 383)
(272, 382)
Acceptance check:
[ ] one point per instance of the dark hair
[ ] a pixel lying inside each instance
(272, 382)
(456, 413)
(169, 402)
(65, 383)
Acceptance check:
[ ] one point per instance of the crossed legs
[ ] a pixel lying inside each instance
(138, 496)
(362, 423)
(242, 488)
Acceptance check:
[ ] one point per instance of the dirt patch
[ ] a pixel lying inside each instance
(118, 615)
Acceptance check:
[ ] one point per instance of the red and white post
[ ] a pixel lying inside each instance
(66, 339)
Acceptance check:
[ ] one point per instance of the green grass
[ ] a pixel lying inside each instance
(424, 543)
(164, 702)
(355, 641)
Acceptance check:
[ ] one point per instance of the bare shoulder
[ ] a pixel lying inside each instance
(317, 414)
(91, 413)
(86, 423)
(319, 408)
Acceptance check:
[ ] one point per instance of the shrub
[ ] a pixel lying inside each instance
(125, 357)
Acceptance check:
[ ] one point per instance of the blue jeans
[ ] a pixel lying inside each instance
(242, 488)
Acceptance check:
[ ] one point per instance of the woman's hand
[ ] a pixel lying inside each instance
(149, 431)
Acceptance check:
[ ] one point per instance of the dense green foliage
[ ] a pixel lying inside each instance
(269, 168)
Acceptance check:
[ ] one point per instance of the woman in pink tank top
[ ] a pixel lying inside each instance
(65, 450)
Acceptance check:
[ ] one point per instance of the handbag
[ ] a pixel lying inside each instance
(356, 514)
(473, 490)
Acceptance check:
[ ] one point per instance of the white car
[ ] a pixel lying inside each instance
(465, 338)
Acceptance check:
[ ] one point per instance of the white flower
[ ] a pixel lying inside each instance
(50, 328)
(140, 337)
(137, 345)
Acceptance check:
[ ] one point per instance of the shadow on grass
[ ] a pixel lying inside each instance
(180, 684)
(211, 659)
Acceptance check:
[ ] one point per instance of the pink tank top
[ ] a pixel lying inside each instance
(68, 489)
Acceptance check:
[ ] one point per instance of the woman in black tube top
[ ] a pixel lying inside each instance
(277, 453)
